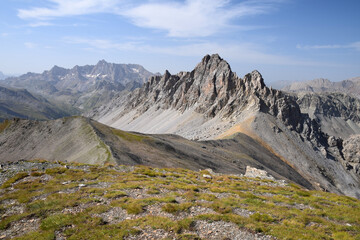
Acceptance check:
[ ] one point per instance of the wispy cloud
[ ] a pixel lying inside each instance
(63, 8)
(194, 18)
(189, 18)
(354, 45)
(40, 24)
(245, 52)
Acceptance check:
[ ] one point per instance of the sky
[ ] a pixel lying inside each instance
(291, 40)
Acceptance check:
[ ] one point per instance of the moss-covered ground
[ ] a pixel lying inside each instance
(73, 201)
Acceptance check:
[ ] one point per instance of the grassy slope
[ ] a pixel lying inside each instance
(286, 212)
(22, 104)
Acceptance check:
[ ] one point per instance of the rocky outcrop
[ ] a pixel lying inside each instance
(257, 173)
(351, 153)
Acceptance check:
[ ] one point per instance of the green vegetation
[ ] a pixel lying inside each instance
(15, 178)
(74, 201)
(131, 137)
(5, 124)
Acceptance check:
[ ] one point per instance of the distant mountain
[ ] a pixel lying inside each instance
(20, 103)
(280, 84)
(84, 87)
(349, 86)
(2, 76)
(212, 102)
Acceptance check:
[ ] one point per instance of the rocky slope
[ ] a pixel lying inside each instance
(84, 87)
(338, 114)
(77, 139)
(349, 86)
(22, 104)
(42, 200)
(212, 102)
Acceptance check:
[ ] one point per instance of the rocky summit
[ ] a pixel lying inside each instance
(212, 102)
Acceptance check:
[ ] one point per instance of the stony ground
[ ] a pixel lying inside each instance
(42, 200)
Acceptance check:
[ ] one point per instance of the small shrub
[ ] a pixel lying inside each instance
(188, 236)
(36, 174)
(15, 178)
(55, 222)
(262, 217)
(175, 208)
(134, 207)
(55, 171)
(115, 194)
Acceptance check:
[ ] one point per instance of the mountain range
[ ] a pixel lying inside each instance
(2, 75)
(83, 87)
(350, 86)
(206, 118)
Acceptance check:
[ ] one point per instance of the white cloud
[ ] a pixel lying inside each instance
(194, 18)
(245, 52)
(188, 18)
(63, 8)
(354, 45)
(40, 24)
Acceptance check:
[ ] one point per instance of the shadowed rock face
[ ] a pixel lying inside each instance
(352, 154)
(212, 101)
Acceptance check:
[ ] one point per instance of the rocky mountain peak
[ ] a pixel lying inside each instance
(102, 62)
(213, 63)
(210, 88)
(254, 80)
(56, 71)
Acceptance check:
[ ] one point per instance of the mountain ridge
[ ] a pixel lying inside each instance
(210, 100)
(84, 87)
(349, 86)
(79, 139)
(20, 103)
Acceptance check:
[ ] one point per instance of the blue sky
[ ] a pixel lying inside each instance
(283, 39)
